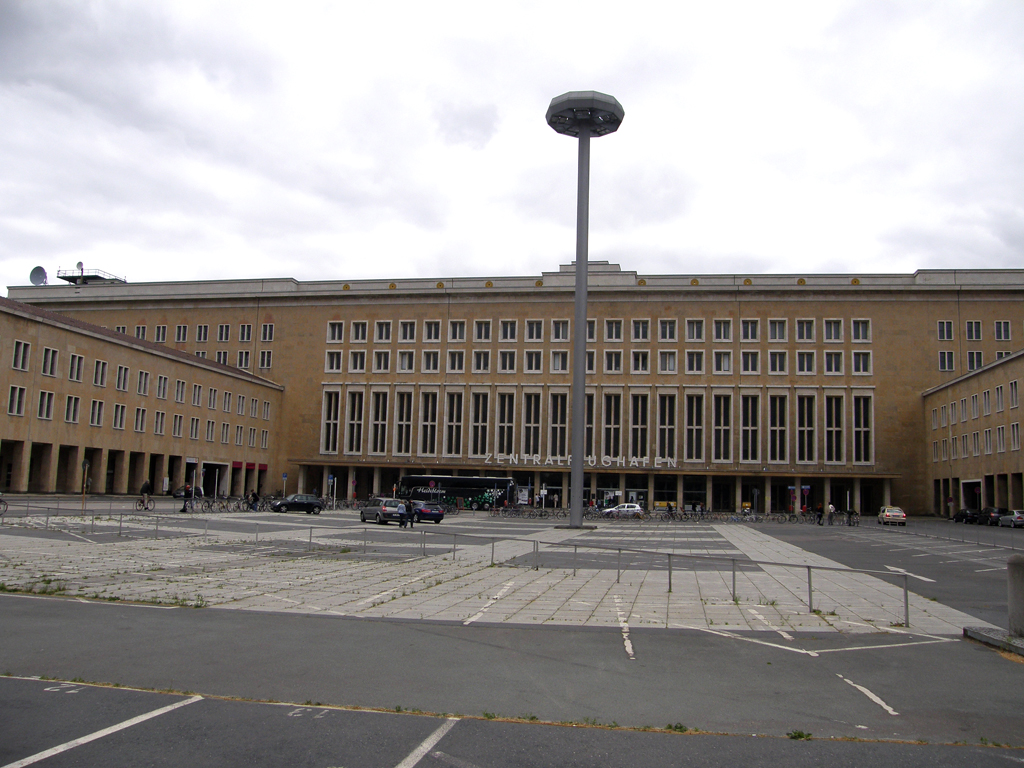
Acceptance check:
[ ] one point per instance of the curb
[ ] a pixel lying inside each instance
(997, 638)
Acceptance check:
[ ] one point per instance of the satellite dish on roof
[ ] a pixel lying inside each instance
(38, 276)
(80, 266)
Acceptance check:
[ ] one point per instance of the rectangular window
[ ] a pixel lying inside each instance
(381, 361)
(428, 424)
(45, 411)
(197, 394)
(75, 368)
(749, 330)
(406, 361)
(431, 330)
(778, 445)
(667, 362)
(159, 417)
(508, 330)
(833, 362)
(722, 415)
(591, 361)
(403, 423)
(805, 362)
(507, 361)
(1002, 330)
(99, 374)
(457, 361)
(612, 425)
(359, 331)
(988, 441)
(974, 407)
(834, 428)
(140, 332)
(407, 330)
(479, 419)
(96, 414)
(946, 360)
(861, 330)
(695, 427)
(588, 424)
(243, 359)
(750, 413)
(558, 418)
(226, 403)
(482, 330)
(179, 391)
(833, 330)
(591, 330)
(1015, 436)
(379, 422)
(613, 330)
(223, 332)
(253, 407)
(723, 330)
(641, 361)
(695, 330)
(641, 330)
(120, 329)
(457, 330)
(638, 426)
(559, 330)
(776, 330)
(266, 358)
(239, 434)
(777, 362)
(266, 410)
(453, 425)
(177, 423)
(805, 330)
(862, 362)
(805, 428)
(1000, 439)
(354, 428)
(482, 361)
(666, 426)
(667, 330)
(974, 330)
(357, 361)
(999, 399)
(986, 402)
(335, 331)
(723, 362)
(252, 437)
(333, 362)
(431, 362)
(531, 423)
(181, 334)
(201, 353)
(222, 356)
(383, 330)
(945, 330)
(49, 362)
(143, 388)
(750, 361)
(202, 333)
(694, 361)
(119, 410)
(71, 406)
(533, 362)
(506, 423)
(161, 334)
(1014, 399)
(267, 332)
(559, 362)
(264, 438)
(211, 430)
(534, 330)
(613, 361)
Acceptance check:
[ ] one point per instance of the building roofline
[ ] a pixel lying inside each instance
(971, 374)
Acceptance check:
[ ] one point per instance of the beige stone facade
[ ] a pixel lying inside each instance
(721, 389)
(90, 409)
(973, 446)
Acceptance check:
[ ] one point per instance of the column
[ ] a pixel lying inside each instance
(74, 478)
(856, 494)
(48, 469)
(679, 492)
(376, 481)
(738, 497)
(887, 492)
(301, 479)
(767, 494)
(324, 477)
(120, 459)
(97, 482)
(563, 500)
(797, 495)
(536, 486)
(650, 491)
(622, 488)
(828, 492)
(20, 459)
(593, 486)
(350, 483)
(708, 488)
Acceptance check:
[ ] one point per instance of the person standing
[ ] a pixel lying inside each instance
(402, 517)
(831, 512)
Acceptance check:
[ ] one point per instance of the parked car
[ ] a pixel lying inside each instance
(625, 511)
(1014, 520)
(425, 511)
(892, 516)
(991, 515)
(298, 502)
(180, 492)
(382, 510)
(966, 516)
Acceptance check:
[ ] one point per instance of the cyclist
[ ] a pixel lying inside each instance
(146, 490)
(254, 499)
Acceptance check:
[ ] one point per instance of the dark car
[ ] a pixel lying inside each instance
(991, 515)
(966, 516)
(298, 502)
(382, 510)
(179, 493)
(425, 511)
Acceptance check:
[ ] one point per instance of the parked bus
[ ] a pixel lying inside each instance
(471, 492)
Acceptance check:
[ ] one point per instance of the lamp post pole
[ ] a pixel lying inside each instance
(581, 114)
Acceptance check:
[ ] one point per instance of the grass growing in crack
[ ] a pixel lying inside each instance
(489, 716)
(677, 727)
(799, 735)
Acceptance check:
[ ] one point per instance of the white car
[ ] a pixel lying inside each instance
(892, 516)
(625, 511)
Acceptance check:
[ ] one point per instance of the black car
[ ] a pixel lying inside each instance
(425, 511)
(179, 493)
(298, 502)
(991, 515)
(966, 516)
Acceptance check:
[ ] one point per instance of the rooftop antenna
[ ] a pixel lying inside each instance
(37, 276)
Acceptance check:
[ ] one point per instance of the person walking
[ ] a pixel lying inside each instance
(831, 512)
(402, 517)
(819, 513)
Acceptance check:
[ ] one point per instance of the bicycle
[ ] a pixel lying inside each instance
(140, 504)
(3, 505)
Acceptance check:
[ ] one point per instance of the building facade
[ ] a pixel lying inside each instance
(767, 390)
(90, 409)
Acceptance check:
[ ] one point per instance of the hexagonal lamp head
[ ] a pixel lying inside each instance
(571, 111)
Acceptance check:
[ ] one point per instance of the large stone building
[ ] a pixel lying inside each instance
(762, 389)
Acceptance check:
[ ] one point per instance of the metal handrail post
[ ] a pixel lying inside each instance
(734, 579)
(618, 568)
(669, 571)
(810, 597)
(906, 603)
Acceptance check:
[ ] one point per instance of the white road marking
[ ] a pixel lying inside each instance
(492, 601)
(986, 570)
(428, 744)
(389, 591)
(890, 645)
(769, 624)
(458, 762)
(721, 633)
(100, 734)
(908, 573)
(870, 695)
(624, 626)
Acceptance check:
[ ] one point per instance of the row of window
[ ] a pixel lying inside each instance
(202, 332)
(638, 329)
(123, 380)
(243, 358)
(972, 330)
(638, 361)
(960, 448)
(610, 431)
(73, 404)
(975, 360)
(948, 415)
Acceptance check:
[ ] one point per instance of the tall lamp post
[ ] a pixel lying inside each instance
(582, 114)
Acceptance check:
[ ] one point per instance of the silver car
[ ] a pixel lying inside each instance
(892, 516)
(1014, 520)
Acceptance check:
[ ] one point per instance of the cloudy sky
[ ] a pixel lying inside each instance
(346, 140)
